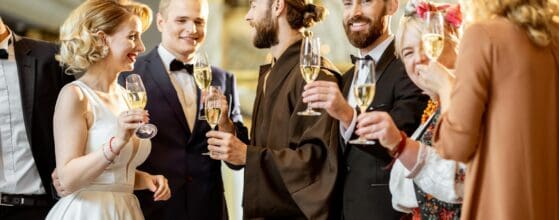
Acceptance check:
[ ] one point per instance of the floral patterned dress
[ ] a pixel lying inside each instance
(431, 208)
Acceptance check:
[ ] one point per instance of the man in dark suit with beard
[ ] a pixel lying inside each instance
(364, 184)
(174, 105)
(30, 79)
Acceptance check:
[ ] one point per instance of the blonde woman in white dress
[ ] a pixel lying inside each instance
(96, 150)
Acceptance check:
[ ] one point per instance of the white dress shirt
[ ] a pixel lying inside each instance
(376, 54)
(184, 85)
(18, 171)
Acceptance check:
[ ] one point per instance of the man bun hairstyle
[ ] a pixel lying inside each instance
(304, 15)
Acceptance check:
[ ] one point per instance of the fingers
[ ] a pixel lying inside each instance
(218, 134)
(162, 192)
(219, 149)
(320, 83)
(367, 118)
(220, 153)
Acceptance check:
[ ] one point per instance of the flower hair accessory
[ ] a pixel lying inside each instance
(452, 13)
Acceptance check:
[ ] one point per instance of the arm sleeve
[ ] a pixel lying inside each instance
(457, 133)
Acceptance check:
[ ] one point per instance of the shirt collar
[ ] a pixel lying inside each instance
(166, 56)
(377, 52)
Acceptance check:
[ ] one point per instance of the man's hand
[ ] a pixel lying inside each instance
(225, 146)
(378, 125)
(327, 95)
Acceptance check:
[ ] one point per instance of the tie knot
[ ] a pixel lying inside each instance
(3, 54)
(178, 65)
(356, 58)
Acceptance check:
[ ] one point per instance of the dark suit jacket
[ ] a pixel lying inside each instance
(176, 153)
(40, 81)
(365, 188)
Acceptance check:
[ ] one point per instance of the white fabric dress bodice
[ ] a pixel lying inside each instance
(110, 195)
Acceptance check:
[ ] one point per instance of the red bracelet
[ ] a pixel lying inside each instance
(399, 149)
(111, 146)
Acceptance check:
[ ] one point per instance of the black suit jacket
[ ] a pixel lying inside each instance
(40, 80)
(365, 186)
(176, 153)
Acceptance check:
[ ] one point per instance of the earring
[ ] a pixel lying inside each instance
(105, 50)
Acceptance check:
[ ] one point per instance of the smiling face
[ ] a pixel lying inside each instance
(365, 21)
(264, 30)
(125, 44)
(412, 53)
(183, 27)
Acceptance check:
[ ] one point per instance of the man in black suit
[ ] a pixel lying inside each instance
(30, 79)
(174, 105)
(364, 184)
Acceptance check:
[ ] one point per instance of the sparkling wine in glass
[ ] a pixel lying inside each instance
(433, 35)
(364, 81)
(202, 76)
(310, 66)
(136, 98)
(213, 108)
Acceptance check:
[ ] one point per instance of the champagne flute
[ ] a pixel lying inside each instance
(433, 35)
(202, 76)
(310, 66)
(136, 98)
(364, 81)
(213, 108)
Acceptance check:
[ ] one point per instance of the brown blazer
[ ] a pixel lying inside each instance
(504, 121)
(291, 164)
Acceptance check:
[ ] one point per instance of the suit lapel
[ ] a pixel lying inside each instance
(385, 60)
(348, 79)
(158, 74)
(26, 69)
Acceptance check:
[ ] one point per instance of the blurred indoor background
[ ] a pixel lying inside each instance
(228, 45)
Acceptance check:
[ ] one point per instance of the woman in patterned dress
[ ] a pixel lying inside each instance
(421, 182)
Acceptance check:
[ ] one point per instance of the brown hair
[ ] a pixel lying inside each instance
(80, 44)
(300, 14)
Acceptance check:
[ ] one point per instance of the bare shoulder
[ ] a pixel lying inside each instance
(72, 98)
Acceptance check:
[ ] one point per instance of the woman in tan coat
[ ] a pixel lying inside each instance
(501, 116)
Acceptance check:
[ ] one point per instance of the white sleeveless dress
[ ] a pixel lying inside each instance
(110, 196)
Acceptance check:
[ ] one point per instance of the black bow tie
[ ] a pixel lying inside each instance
(178, 65)
(3, 54)
(355, 58)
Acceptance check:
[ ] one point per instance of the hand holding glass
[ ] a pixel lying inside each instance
(364, 81)
(213, 108)
(136, 98)
(310, 66)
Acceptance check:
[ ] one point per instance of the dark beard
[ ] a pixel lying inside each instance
(364, 39)
(266, 33)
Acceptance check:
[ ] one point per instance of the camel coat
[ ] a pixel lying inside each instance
(504, 122)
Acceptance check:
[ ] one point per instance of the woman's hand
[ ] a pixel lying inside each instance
(128, 122)
(158, 184)
(439, 80)
(378, 125)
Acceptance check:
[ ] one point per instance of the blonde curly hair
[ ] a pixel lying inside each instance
(80, 44)
(411, 20)
(540, 18)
